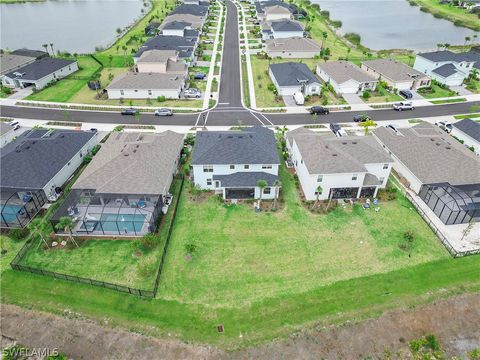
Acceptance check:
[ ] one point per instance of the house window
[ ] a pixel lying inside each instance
(385, 166)
(266, 166)
(149, 92)
(267, 191)
(232, 167)
(320, 178)
(135, 90)
(207, 168)
(209, 182)
(354, 177)
(318, 192)
(121, 92)
(246, 166)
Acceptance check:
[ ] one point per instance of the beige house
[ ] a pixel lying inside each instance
(196, 21)
(277, 12)
(162, 62)
(289, 48)
(396, 74)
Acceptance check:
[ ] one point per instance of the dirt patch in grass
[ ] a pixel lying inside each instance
(454, 322)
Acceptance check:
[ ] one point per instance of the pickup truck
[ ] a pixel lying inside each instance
(404, 105)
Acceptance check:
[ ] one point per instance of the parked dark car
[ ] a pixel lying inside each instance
(129, 111)
(361, 118)
(337, 130)
(320, 110)
(199, 76)
(407, 94)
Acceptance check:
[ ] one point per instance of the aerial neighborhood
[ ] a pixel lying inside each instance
(240, 179)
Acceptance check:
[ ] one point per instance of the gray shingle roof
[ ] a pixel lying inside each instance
(286, 25)
(183, 45)
(133, 163)
(40, 68)
(192, 9)
(37, 54)
(342, 71)
(469, 127)
(291, 74)
(176, 25)
(247, 179)
(432, 155)
(254, 145)
(445, 70)
(31, 161)
(328, 154)
(394, 70)
(146, 81)
(446, 55)
(10, 62)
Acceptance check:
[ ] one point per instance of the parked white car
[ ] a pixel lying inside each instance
(404, 105)
(192, 93)
(299, 98)
(445, 126)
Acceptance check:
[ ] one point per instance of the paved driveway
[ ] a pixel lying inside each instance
(289, 101)
(21, 93)
(461, 90)
(353, 99)
(416, 95)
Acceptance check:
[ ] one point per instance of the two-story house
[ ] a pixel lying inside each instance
(330, 167)
(232, 162)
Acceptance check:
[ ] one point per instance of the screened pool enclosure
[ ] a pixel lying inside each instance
(109, 214)
(453, 204)
(19, 206)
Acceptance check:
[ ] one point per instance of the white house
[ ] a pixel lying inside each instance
(397, 75)
(282, 29)
(35, 166)
(40, 73)
(468, 131)
(443, 172)
(291, 77)
(232, 162)
(175, 28)
(330, 167)
(346, 77)
(447, 67)
(136, 85)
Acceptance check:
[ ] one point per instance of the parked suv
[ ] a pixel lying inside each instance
(129, 111)
(407, 94)
(361, 118)
(404, 105)
(337, 130)
(192, 93)
(319, 110)
(163, 112)
(199, 76)
(445, 126)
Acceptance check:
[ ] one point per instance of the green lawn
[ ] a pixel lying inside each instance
(123, 262)
(448, 101)
(459, 16)
(435, 91)
(473, 86)
(383, 95)
(65, 89)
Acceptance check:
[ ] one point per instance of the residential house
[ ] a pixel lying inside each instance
(140, 85)
(297, 12)
(346, 77)
(162, 62)
(40, 73)
(125, 187)
(292, 48)
(291, 77)
(397, 75)
(330, 167)
(10, 62)
(447, 67)
(443, 172)
(190, 9)
(178, 28)
(185, 47)
(232, 162)
(468, 131)
(277, 12)
(196, 21)
(37, 54)
(34, 169)
(281, 29)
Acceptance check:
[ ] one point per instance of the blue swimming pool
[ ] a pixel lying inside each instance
(126, 223)
(10, 212)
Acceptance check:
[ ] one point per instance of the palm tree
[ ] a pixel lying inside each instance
(439, 45)
(467, 39)
(46, 48)
(66, 223)
(262, 184)
(277, 183)
(318, 192)
(348, 52)
(51, 47)
(324, 38)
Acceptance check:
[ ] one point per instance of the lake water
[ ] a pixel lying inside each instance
(393, 24)
(76, 26)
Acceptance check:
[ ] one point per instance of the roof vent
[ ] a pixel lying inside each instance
(437, 143)
(125, 154)
(334, 154)
(447, 147)
(354, 142)
(344, 142)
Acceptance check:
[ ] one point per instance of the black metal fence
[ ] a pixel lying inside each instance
(15, 264)
(437, 231)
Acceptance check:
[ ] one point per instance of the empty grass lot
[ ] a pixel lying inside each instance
(435, 91)
(244, 257)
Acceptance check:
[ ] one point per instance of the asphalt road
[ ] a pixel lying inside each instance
(229, 111)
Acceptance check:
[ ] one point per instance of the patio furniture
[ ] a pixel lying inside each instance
(142, 204)
(26, 198)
